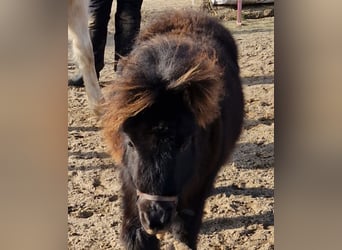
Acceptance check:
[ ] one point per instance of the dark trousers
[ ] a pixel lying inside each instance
(127, 26)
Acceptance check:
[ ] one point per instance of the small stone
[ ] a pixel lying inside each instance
(85, 214)
(96, 182)
(113, 198)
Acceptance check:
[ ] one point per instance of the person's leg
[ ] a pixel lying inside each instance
(98, 22)
(98, 28)
(127, 26)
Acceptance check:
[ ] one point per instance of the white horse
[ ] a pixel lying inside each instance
(83, 50)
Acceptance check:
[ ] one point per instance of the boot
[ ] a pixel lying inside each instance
(77, 80)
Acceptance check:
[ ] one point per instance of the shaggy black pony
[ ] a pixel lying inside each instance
(172, 117)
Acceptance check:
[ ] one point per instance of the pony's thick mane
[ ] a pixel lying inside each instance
(198, 80)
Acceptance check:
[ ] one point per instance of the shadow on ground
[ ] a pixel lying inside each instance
(235, 190)
(220, 224)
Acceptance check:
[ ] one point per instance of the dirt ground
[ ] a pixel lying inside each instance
(239, 212)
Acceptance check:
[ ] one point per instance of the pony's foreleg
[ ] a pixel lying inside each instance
(187, 224)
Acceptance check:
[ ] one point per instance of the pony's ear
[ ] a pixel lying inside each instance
(203, 88)
(203, 99)
(115, 145)
(121, 65)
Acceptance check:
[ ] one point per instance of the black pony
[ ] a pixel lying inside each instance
(172, 117)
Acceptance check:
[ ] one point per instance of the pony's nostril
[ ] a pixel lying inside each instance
(159, 218)
(165, 218)
(156, 215)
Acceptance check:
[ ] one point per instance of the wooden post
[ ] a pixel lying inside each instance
(239, 8)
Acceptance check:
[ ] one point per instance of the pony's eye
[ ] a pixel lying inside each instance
(130, 144)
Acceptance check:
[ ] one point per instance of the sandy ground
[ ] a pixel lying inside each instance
(239, 212)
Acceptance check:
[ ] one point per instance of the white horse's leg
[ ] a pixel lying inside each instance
(83, 50)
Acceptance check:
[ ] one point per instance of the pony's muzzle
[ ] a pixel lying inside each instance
(156, 212)
(156, 216)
